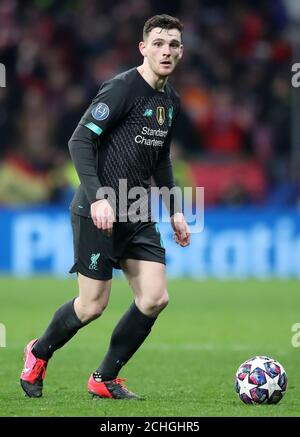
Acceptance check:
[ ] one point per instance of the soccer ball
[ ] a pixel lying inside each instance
(261, 380)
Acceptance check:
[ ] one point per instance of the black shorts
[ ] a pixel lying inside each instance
(96, 254)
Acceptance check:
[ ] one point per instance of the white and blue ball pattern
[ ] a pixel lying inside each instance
(261, 380)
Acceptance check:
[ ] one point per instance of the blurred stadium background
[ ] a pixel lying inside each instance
(238, 136)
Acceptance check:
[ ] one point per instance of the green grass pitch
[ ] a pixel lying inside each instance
(185, 368)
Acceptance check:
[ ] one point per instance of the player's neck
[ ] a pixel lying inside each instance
(156, 82)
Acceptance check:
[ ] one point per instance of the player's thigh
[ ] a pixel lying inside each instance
(93, 290)
(146, 278)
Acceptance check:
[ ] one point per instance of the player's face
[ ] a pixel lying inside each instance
(162, 50)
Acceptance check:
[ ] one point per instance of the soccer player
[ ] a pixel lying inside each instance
(124, 135)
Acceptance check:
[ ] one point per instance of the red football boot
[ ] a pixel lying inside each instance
(33, 373)
(114, 389)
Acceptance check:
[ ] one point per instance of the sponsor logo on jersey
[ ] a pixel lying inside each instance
(100, 112)
(160, 115)
(148, 113)
(151, 137)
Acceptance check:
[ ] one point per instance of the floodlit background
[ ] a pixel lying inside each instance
(238, 136)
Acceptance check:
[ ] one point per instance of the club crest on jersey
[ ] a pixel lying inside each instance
(160, 115)
(100, 112)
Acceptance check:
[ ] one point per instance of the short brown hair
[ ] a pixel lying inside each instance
(164, 21)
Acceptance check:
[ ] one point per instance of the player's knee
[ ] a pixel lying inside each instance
(92, 311)
(162, 302)
(154, 305)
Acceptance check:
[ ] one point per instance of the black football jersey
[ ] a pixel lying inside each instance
(132, 123)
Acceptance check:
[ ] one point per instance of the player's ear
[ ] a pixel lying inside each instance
(142, 47)
(181, 52)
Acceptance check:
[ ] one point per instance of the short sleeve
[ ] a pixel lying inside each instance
(106, 109)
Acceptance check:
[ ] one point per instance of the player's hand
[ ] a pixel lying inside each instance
(103, 216)
(182, 233)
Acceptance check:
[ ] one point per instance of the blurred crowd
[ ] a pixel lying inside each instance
(234, 132)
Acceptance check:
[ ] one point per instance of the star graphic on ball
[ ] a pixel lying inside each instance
(259, 362)
(245, 387)
(271, 384)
